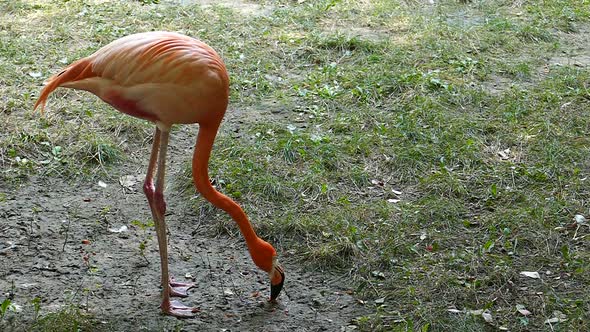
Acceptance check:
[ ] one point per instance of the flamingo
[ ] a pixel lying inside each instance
(168, 78)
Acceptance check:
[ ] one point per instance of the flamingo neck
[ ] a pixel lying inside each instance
(200, 167)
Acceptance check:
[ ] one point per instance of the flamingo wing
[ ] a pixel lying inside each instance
(163, 77)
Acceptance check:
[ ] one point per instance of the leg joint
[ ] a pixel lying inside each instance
(148, 188)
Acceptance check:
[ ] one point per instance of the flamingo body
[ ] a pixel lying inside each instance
(163, 77)
(168, 78)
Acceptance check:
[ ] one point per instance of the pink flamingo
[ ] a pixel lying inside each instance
(168, 78)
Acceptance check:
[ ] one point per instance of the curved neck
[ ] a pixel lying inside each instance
(200, 169)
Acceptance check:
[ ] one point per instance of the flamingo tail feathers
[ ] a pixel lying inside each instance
(76, 71)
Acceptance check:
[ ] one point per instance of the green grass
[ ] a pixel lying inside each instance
(67, 319)
(368, 99)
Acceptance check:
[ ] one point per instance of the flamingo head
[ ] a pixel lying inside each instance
(277, 279)
(265, 257)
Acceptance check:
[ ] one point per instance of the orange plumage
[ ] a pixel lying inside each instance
(168, 78)
(171, 77)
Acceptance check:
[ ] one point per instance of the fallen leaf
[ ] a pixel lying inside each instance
(9, 245)
(315, 138)
(558, 317)
(505, 154)
(128, 181)
(487, 316)
(15, 307)
(85, 241)
(580, 219)
(534, 275)
(377, 183)
(523, 311)
(562, 317)
(118, 230)
(27, 285)
(552, 320)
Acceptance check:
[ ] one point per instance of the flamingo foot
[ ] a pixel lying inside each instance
(177, 309)
(179, 289)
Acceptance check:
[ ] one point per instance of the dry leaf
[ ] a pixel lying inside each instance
(552, 320)
(580, 220)
(118, 230)
(377, 183)
(15, 307)
(558, 317)
(523, 311)
(504, 154)
(487, 316)
(534, 275)
(128, 181)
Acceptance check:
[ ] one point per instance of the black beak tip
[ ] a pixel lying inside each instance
(275, 290)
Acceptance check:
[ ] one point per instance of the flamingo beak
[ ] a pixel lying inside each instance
(275, 288)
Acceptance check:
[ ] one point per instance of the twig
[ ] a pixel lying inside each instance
(63, 248)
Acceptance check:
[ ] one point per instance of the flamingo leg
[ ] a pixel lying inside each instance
(155, 197)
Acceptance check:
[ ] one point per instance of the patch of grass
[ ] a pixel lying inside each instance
(67, 319)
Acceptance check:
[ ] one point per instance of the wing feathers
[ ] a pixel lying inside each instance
(145, 58)
(78, 70)
(157, 58)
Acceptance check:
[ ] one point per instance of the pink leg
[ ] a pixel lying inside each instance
(155, 197)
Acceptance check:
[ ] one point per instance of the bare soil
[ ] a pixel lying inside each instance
(46, 222)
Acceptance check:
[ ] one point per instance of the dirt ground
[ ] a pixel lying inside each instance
(46, 220)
